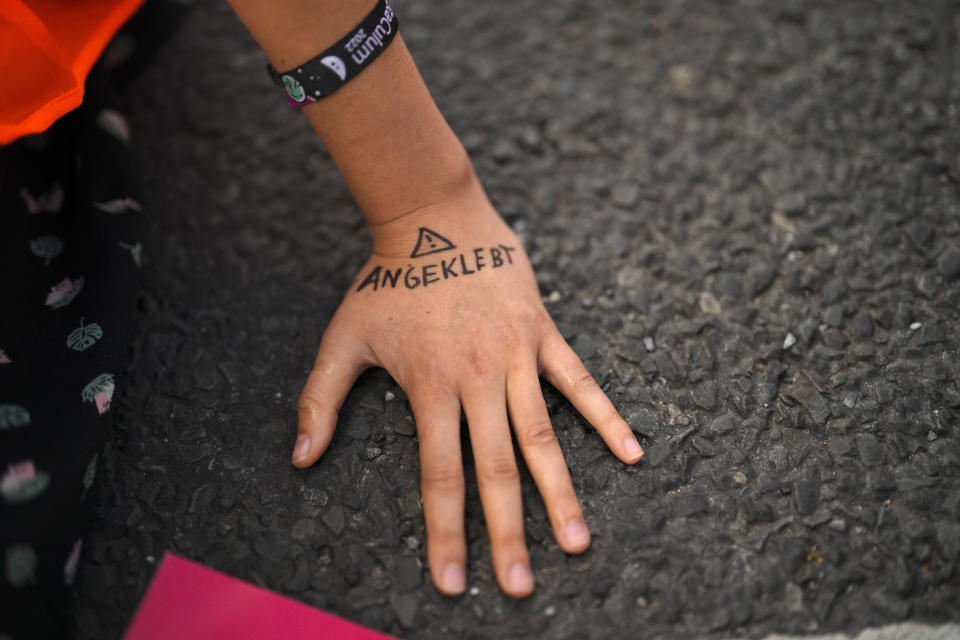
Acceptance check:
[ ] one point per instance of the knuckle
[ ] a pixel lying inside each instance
(427, 430)
(307, 402)
(542, 321)
(441, 478)
(509, 540)
(310, 400)
(479, 361)
(583, 382)
(538, 436)
(499, 470)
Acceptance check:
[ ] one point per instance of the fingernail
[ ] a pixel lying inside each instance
(576, 534)
(632, 447)
(519, 578)
(301, 448)
(453, 579)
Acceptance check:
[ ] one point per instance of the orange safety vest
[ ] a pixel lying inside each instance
(46, 50)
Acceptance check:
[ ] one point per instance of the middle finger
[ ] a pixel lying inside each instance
(499, 482)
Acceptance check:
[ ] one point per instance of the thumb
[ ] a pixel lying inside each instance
(334, 372)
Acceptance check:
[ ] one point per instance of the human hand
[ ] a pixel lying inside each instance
(449, 306)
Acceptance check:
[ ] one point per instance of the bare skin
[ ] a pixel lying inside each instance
(474, 337)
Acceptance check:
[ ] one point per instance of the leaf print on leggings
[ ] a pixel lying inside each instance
(120, 205)
(22, 482)
(21, 565)
(99, 392)
(70, 566)
(84, 336)
(63, 292)
(89, 475)
(135, 251)
(13, 415)
(115, 124)
(49, 201)
(46, 247)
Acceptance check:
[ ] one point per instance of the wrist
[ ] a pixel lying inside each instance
(460, 212)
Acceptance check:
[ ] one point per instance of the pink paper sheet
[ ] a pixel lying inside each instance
(188, 601)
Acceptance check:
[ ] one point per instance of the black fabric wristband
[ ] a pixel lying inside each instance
(339, 64)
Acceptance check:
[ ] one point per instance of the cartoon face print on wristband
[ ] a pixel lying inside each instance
(438, 268)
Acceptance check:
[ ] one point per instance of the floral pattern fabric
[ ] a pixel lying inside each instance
(70, 250)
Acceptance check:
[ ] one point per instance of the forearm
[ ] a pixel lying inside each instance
(383, 130)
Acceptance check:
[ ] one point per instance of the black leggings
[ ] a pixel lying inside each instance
(70, 227)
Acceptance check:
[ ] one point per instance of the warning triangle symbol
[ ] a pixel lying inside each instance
(430, 242)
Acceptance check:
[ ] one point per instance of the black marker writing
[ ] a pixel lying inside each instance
(414, 276)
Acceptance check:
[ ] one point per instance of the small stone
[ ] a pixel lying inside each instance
(643, 422)
(931, 436)
(269, 549)
(869, 449)
(474, 591)
(880, 480)
(949, 263)
(927, 284)
(205, 375)
(932, 334)
(915, 326)
(789, 341)
(791, 203)
(705, 396)
(782, 222)
(230, 371)
(838, 524)
(657, 455)
(626, 195)
(779, 457)
(554, 297)
(709, 304)
(358, 427)
(690, 504)
(793, 598)
(834, 290)
(389, 396)
(719, 620)
(303, 529)
(759, 278)
(863, 326)
(681, 79)
(835, 339)
(757, 511)
(804, 392)
(703, 447)
(409, 576)
(504, 150)
(584, 346)
(806, 494)
(648, 344)
(740, 478)
(818, 518)
(405, 428)
(834, 316)
(723, 425)
(334, 519)
(550, 611)
(405, 607)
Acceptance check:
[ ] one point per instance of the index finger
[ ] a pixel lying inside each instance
(562, 368)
